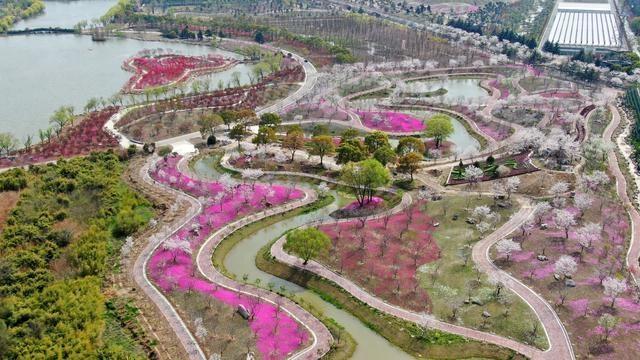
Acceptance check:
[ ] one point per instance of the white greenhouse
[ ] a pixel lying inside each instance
(593, 26)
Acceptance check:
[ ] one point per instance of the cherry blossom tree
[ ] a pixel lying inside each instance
(613, 288)
(542, 209)
(557, 191)
(252, 175)
(564, 219)
(473, 174)
(586, 235)
(176, 246)
(506, 246)
(565, 266)
(323, 189)
(582, 202)
(596, 180)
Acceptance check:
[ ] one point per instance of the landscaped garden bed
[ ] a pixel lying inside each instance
(172, 268)
(567, 255)
(416, 259)
(82, 138)
(391, 121)
(511, 165)
(163, 70)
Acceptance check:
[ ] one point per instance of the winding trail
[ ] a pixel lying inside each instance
(633, 253)
(559, 345)
(322, 339)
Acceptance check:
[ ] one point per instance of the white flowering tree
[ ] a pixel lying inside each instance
(564, 219)
(565, 266)
(176, 246)
(558, 191)
(588, 234)
(473, 174)
(542, 209)
(323, 189)
(613, 288)
(506, 247)
(596, 180)
(252, 175)
(583, 202)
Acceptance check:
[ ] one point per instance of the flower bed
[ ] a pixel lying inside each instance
(80, 139)
(518, 164)
(245, 97)
(391, 121)
(154, 71)
(383, 256)
(352, 210)
(277, 334)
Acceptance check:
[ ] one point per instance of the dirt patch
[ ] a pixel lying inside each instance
(8, 200)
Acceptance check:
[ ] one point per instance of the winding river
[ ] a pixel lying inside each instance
(241, 261)
(39, 73)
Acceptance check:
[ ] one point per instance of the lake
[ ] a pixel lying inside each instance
(39, 73)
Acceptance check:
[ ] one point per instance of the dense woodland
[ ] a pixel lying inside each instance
(58, 246)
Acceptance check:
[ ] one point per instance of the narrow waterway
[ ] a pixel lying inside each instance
(241, 261)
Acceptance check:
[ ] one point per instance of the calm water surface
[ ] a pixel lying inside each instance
(39, 73)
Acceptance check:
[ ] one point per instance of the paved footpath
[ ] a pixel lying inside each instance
(559, 348)
(621, 187)
(321, 337)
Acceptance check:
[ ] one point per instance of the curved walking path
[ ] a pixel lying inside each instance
(322, 338)
(633, 253)
(559, 342)
(140, 276)
(555, 351)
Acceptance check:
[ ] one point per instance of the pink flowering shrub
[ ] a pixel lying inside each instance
(391, 121)
(373, 203)
(276, 332)
(162, 70)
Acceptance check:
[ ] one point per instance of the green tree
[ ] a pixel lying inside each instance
(410, 144)
(8, 143)
(364, 177)
(61, 117)
(439, 127)
(293, 141)
(237, 133)
(409, 163)
(266, 135)
(348, 134)
(385, 155)
(322, 146)
(270, 119)
(208, 124)
(350, 151)
(307, 243)
(375, 141)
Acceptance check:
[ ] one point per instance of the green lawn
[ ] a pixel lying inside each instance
(450, 287)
